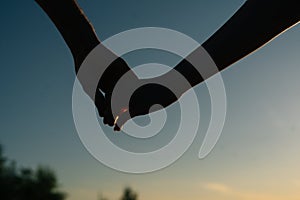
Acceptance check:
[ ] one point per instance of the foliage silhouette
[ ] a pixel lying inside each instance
(39, 184)
(27, 184)
(129, 194)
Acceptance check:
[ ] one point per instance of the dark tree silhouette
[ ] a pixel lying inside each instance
(129, 194)
(27, 184)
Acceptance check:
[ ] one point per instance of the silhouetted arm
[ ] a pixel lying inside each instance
(72, 24)
(81, 39)
(252, 26)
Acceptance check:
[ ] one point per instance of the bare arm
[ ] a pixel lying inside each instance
(252, 26)
(72, 24)
(81, 39)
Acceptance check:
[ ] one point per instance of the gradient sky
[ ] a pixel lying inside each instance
(257, 156)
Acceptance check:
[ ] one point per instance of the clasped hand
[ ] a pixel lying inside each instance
(121, 95)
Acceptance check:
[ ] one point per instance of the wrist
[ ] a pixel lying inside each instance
(174, 81)
(197, 67)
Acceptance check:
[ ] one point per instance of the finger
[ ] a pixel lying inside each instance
(121, 119)
(108, 115)
(100, 103)
(117, 128)
(103, 105)
(108, 121)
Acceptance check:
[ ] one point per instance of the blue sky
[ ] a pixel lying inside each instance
(255, 158)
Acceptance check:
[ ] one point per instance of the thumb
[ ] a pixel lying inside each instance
(121, 119)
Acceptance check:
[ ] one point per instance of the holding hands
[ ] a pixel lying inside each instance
(121, 95)
(126, 96)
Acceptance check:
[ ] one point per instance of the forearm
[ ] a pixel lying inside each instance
(252, 26)
(255, 24)
(71, 22)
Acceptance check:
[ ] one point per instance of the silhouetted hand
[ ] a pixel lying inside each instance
(106, 84)
(145, 100)
(250, 28)
(135, 98)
